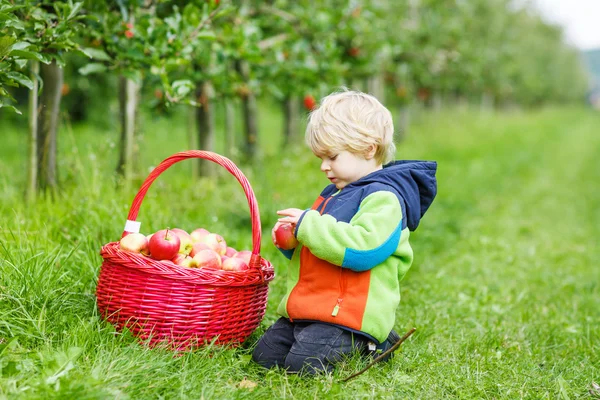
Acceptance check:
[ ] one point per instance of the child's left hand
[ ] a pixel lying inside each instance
(292, 215)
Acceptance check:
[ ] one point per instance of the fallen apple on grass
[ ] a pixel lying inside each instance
(164, 245)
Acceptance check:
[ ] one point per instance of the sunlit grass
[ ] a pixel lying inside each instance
(503, 292)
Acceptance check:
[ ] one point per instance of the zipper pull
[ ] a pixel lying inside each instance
(336, 309)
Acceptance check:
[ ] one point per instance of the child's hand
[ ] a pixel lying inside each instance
(292, 215)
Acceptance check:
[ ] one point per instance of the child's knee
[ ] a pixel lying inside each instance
(299, 363)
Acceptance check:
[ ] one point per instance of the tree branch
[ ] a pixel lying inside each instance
(382, 355)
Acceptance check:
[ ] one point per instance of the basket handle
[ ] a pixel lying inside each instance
(133, 226)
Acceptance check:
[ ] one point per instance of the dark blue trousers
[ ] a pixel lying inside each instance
(306, 347)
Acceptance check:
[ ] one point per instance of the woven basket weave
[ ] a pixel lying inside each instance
(166, 304)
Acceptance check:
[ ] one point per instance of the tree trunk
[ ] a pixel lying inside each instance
(205, 117)
(487, 102)
(128, 105)
(191, 134)
(376, 87)
(250, 111)
(52, 76)
(229, 128)
(32, 166)
(290, 112)
(403, 121)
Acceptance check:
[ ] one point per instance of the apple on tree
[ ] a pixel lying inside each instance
(134, 242)
(164, 245)
(284, 237)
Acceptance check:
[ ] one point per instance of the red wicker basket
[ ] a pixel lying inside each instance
(163, 303)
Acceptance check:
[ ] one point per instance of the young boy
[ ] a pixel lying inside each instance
(343, 281)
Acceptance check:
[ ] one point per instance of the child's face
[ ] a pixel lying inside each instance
(342, 168)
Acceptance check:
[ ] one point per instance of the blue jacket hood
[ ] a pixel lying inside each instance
(414, 181)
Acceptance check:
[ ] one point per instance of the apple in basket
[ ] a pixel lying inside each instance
(196, 247)
(185, 246)
(215, 242)
(198, 234)
(208, 258)
(234, 264)
(230, 251)
(284, 236)
(244, 255)
(164, 245)
(134, 242)
(185, 261)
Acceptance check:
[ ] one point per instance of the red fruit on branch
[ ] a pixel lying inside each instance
(309, 102)
(129, 34)
(353, 51)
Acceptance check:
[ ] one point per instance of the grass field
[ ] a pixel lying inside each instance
(504, 291)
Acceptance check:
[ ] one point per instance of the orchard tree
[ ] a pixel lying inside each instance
(138, 38)
(37, 34)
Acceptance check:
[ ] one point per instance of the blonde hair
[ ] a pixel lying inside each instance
(351, 121)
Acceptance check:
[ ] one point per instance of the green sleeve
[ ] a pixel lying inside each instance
(370, 237)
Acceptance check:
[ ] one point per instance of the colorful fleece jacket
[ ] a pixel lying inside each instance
(354, 249)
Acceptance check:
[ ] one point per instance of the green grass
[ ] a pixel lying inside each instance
(504, 289)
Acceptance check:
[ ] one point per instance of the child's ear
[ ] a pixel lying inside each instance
(371, 152)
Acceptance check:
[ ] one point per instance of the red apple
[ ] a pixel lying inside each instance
(284, 236)
(309, 102)
(244, 255)
(208, 259)
(196, 247)
(164, 245)
(186, 240)
(216, 242)
(134, 242)
(234, 264)
(185, 261)
(178, 259)
(198, 234)
(230, 251)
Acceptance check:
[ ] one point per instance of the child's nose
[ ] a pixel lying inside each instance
(324, 166)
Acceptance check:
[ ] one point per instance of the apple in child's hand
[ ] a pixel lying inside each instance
(208, 259)
(134, 242)
(198, 234)
(196, 247)
(186, 240)
(284, 236)
(230, 252)
(215, 242)
(234, 264)
(164, 245)
(244, 255)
